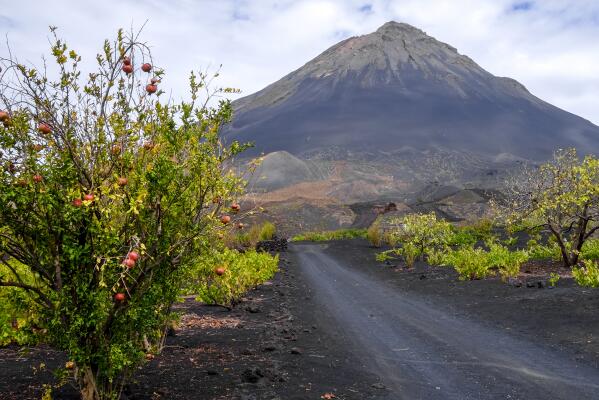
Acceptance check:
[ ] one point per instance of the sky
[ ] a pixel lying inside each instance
(550, 46)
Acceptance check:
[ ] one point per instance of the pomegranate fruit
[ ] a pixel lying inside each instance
(119, 297)
(151, 88)
(44, 129)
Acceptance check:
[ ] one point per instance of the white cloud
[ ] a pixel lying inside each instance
(550, 46)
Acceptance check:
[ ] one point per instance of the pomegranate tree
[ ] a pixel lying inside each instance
(98, 230)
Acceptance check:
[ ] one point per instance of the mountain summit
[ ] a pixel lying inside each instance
(399, 88)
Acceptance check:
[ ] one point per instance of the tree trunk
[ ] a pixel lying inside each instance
(562, 246)
(89, 389)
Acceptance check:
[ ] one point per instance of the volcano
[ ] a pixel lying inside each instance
(398, 88)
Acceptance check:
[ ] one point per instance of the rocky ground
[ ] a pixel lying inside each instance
(282, 342)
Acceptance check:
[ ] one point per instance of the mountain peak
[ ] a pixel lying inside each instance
(398, 28)
(399, 87)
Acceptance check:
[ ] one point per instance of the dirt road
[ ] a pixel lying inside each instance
(421, 351)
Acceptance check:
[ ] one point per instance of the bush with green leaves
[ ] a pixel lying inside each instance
(374, 234)
(537, 251)
(470, 263)
(223, 277)
(105, 193)
(590, 250)
(323, 236)
(588, 274)
(415, 235)
(507, 262)
(268, 231)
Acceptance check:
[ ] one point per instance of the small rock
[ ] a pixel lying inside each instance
(530, 284)
(269, 348)
(252, 375)
(515, 282)
(378, 385)
(541, 284)
(212, 372)
(295, 350)
(422, 277)
(252, 309)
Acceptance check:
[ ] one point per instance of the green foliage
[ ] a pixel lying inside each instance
(537, 251)
(437, 257)
(374, 234)
(340, 234)
(469, 235)
(470, 263)
(151, 167)
(267, 231)
(18, 313)
(477, 263)
(418, 234)
(553, 279)
(588, 274)
(561, 196)
(590, 250)
(248, 239)
(508, 262)
(243, 271)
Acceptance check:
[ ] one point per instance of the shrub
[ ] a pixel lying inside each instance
(553, 279)
(590, 250)
(242, 271)
(462, 237)
(267, 231)
(418, 234)
(341, 234)
(508, 262)
(437, 257)
(105, 203)
(410, 253)
(537, 251)
(374, 234)
(588, 274)
(469, 263)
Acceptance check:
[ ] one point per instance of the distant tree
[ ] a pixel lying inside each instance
(561, 196)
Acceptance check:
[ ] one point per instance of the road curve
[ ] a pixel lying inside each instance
(422, 352)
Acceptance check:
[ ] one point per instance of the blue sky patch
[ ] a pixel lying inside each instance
(522, 6)
(366, 8)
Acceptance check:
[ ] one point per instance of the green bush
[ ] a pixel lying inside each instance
(374, 234)
(590, 250)
(267, 231)
(588, 274)
(242, 272)
(237, 238)
(437, 258)
(537, 251)
(469, 263)
(416, 235)
(508, 262)
(462, 238)
(341, 234)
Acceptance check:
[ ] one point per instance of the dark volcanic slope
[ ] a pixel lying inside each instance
(398, 87)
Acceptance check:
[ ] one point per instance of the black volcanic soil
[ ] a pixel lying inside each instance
(281, 343)
(270, 347)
